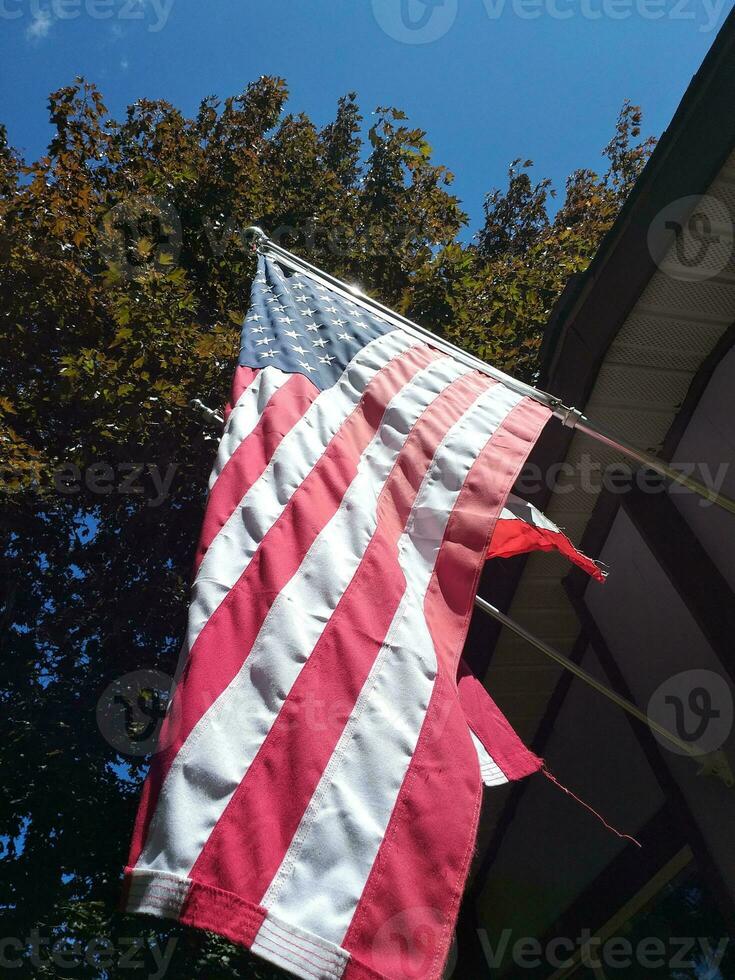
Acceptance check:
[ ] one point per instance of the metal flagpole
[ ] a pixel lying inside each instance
(713, 763)
(572, 418)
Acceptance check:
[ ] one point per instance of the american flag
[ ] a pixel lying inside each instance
(316, 791)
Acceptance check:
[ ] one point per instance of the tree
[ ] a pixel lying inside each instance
(517, 218)
(495, 298)
(126, 274)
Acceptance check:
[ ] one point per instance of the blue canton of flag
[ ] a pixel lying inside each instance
(299, 326)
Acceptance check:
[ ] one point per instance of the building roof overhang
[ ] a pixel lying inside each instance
(632, 346)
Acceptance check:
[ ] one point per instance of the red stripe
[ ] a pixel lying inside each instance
(251, 838)
(241, 379)
(226, 639)
(434, 821)
(492, 728)
(284, 408)
(403, 924)
(514, 536)
(218, 911)
(451, 593)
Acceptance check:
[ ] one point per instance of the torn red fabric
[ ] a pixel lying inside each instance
(522, 527)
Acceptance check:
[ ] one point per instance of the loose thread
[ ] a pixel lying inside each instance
(550, 776)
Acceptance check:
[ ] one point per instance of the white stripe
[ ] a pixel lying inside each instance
(229, 554)
(518, 509)
(330, 857)
(218, 752)
(157, 893)
(490, 772)
(245, 415)
(302, 953)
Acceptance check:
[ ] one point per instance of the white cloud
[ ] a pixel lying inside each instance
(124, 64)
(40, 26)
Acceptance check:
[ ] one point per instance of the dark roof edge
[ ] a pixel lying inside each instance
(687, 158)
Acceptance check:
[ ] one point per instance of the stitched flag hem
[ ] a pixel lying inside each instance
(202, 906)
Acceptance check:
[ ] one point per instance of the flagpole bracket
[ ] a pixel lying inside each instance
(569, 417)
(209, 414)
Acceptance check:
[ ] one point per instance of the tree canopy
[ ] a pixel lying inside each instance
(125, 277)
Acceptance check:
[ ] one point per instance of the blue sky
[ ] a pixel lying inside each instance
(488, 79)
